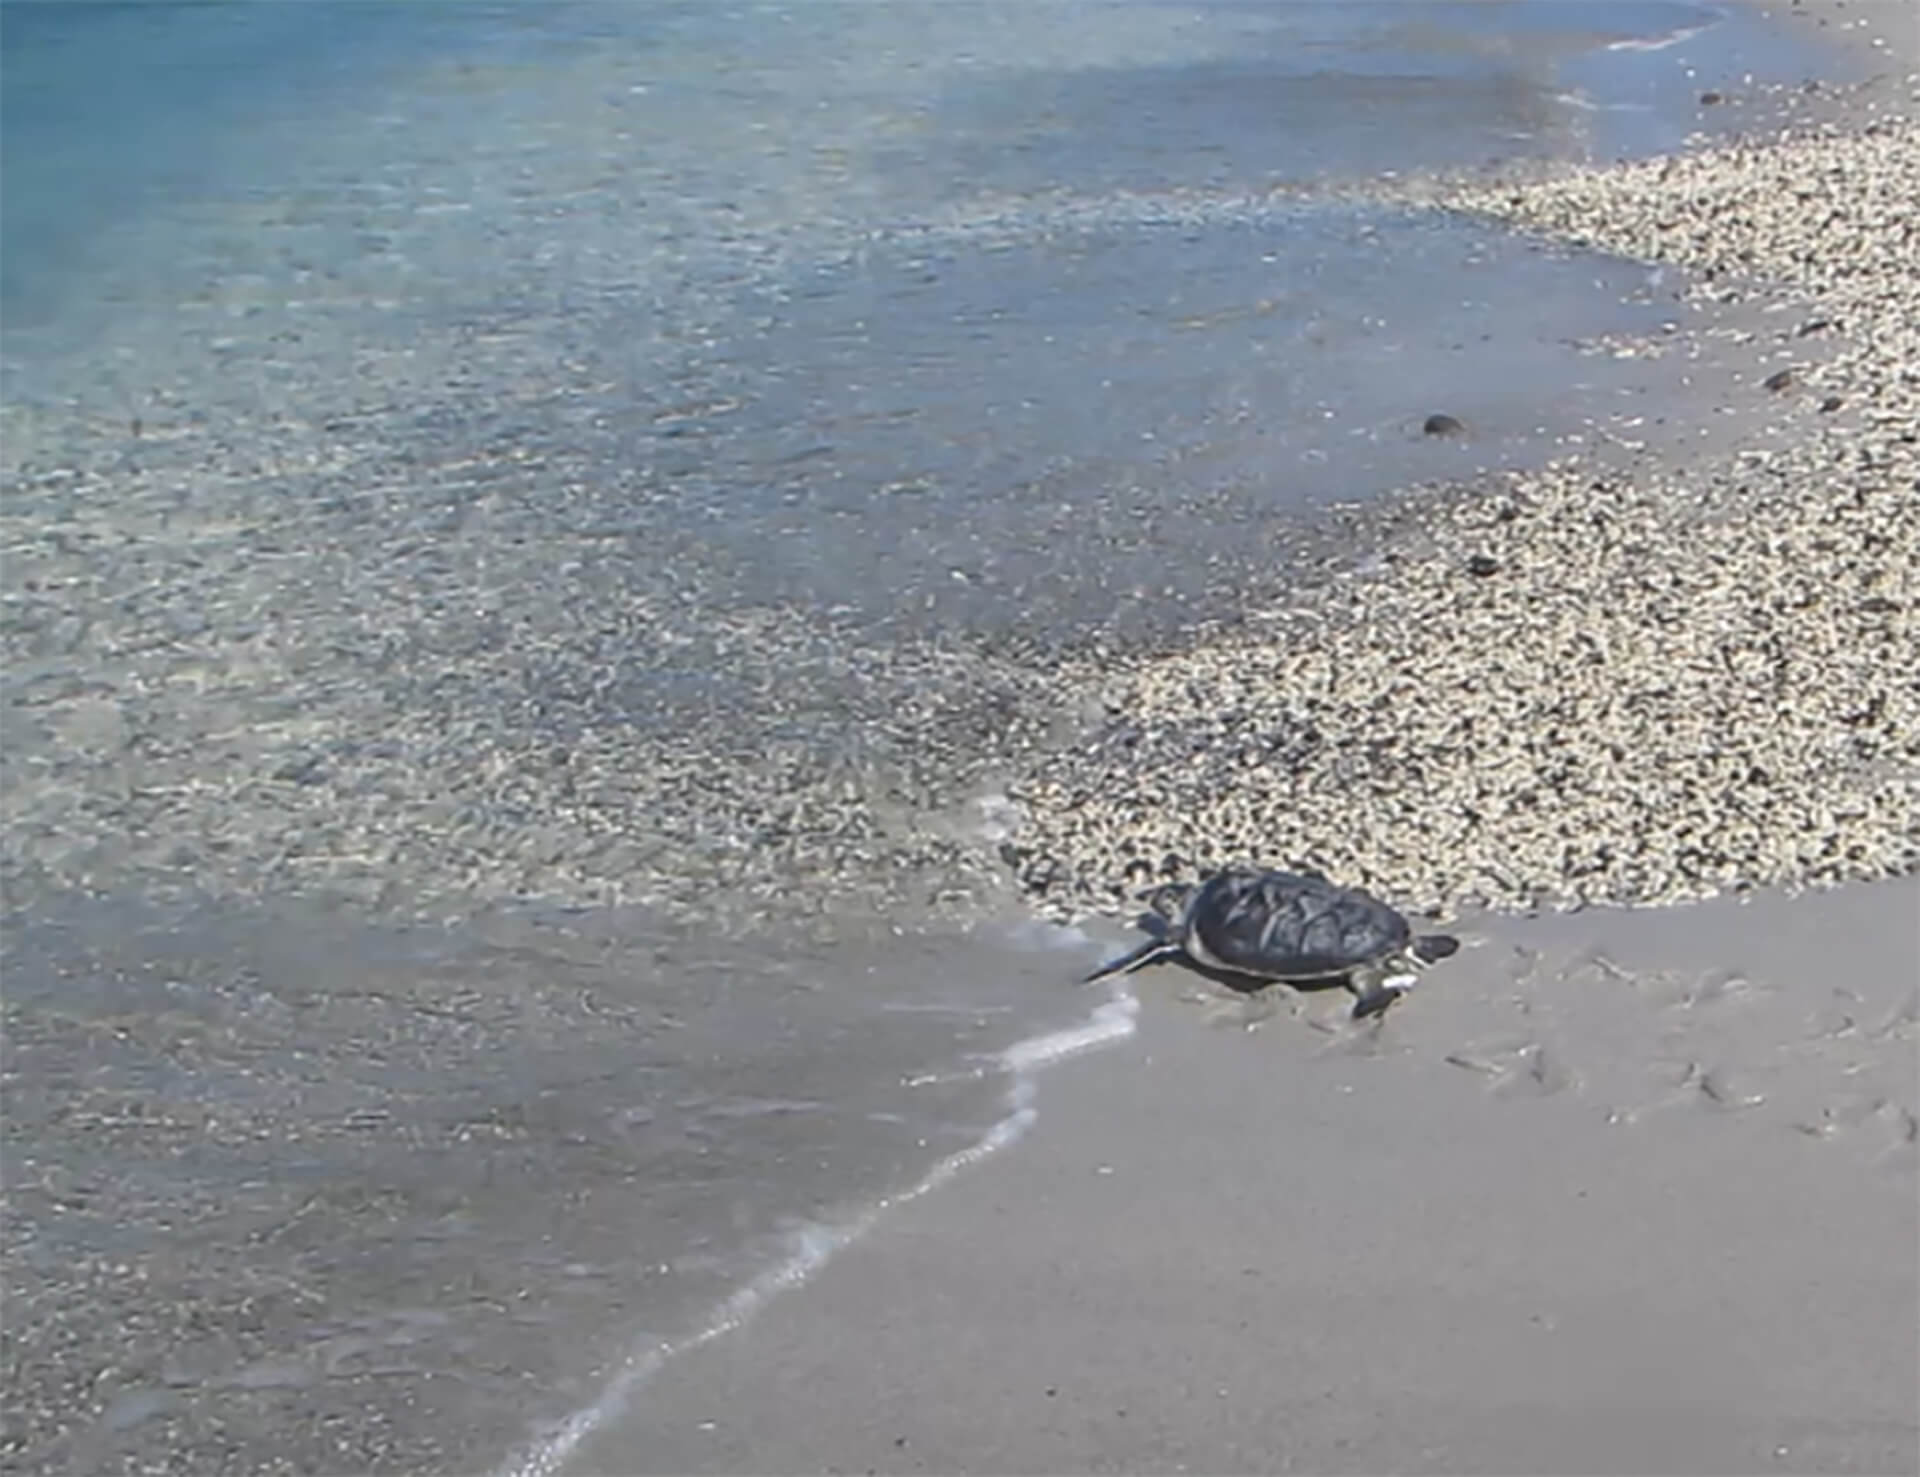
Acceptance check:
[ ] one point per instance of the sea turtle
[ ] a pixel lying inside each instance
(1256, 927)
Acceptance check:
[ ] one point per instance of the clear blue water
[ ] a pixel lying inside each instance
(950, 296)
(730, 118)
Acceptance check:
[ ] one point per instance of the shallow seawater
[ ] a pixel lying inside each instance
(481, 368)
(432, 1182)
(945, 321)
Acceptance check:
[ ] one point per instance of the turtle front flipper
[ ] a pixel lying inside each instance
(1373, 991)
(1151, 952)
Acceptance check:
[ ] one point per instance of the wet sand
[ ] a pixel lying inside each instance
(1612, 1192)
(294, 1191)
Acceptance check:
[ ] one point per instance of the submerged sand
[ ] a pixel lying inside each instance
(1618, 678)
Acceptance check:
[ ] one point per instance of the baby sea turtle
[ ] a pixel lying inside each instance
(1258, 927)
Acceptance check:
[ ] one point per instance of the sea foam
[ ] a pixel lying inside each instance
(814, 1245)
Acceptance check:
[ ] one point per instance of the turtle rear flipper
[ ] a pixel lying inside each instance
(1151, 952)
(1431, 948)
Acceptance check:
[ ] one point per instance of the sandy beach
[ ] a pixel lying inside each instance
(450, 1028)
(1622, 1189)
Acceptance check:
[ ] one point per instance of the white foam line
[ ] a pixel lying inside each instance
(815, 1245)
(1657, 43)
(1587, 105)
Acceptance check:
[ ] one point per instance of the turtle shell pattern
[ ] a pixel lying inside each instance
(1282, 925)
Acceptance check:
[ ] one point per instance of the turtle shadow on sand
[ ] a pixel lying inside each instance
(1247, 930)
(1241, 984)
(1249, 1001)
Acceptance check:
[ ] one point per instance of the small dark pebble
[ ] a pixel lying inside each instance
(1832, 403)
(1778, 380)
(1483, 565)
(1708, 99)
(1812, 325)
(1442, 425)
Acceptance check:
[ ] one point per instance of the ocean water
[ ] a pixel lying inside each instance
(533, 372)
